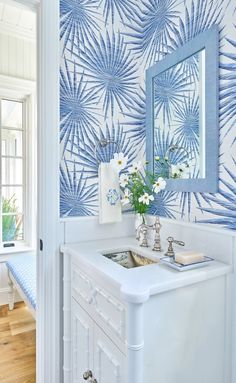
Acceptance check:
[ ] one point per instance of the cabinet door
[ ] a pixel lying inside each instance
(82, 343)
(109, 362)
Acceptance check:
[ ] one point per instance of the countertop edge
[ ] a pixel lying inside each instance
(136, 295)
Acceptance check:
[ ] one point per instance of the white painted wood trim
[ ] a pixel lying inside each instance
(67, 358)
(49, 313)
(135, 343)
(10, 84)
(32, 4)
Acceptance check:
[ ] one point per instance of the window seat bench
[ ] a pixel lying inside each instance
(22, 277)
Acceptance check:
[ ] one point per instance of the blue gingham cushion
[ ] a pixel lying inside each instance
(23, 269)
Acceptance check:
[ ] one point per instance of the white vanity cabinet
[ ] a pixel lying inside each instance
(93, 351)
(148, 324)
(92, 317)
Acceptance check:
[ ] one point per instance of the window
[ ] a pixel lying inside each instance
(13, 170)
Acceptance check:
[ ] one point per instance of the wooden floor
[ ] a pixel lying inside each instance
(17, 345)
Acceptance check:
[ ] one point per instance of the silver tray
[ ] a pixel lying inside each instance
(169, 261)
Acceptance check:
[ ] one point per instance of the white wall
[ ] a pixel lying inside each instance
(17, 57)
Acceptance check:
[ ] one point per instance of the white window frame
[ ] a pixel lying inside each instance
(25, 91)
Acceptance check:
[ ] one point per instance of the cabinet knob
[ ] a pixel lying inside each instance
(87, 374)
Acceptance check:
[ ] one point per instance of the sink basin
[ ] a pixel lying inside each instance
(129, 259)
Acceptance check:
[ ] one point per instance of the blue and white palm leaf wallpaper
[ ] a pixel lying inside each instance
(228, 88)
(111, 71)
(149, 35)
(165, 205)
(224, 208)
(170, 88)
(187, 119)
(123, 9)
(91, 154)
(77, 109)
(79, 20)
(135, 126)
(196, 17)
(106, 47)
(77, 198)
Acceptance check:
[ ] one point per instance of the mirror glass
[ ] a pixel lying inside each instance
(179, 130)
(183, 115)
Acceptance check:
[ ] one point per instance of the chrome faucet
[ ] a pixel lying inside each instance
(170, 251)
(143, 229)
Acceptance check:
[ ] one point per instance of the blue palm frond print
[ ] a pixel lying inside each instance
(187, 199)
(163, 141)
(190, 67)
(77, 110)
(228, 88)
(106, 45)
(164, 205)
(125, 9)
(137, 123)
(152, 29)
(78, 22)
(76, 197)
(226, 201)
(199, 16)
(170, 89)
(91, 154)
(111, 71)
(187, 118)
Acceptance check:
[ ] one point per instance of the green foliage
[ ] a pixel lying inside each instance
(138, 185)
(11, 224)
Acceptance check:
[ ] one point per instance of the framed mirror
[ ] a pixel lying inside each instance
(183, 115)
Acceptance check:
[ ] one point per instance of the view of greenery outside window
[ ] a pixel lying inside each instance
(12, 170)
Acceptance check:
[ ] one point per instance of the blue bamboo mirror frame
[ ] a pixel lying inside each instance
(208, 40)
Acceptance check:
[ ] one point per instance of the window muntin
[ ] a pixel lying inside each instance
(12, 165)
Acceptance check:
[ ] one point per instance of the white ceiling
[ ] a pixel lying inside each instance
(16, 20)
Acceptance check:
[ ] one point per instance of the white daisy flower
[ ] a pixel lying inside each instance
(126, 197)
(175, 171)
(159, 185)
(136, 166)
(180, 170)
(119, 162)
(146, 198)
(124, 180)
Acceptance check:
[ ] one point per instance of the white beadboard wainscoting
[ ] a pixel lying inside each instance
(18, 57)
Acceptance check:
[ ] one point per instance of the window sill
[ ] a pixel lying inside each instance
(16, 249)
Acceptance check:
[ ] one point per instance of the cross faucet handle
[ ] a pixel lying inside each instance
(170, 251)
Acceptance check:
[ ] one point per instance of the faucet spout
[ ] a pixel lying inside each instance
(142, 229)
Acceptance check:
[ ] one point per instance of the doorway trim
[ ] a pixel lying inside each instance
(49, 366)
(48, 349)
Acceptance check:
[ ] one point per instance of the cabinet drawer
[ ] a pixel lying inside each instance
(99, 303)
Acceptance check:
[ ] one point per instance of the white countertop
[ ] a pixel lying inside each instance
(137, 284)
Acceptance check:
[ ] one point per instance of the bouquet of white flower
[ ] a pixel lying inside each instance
(138, 186)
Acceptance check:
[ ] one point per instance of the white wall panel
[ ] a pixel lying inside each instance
(17, 57)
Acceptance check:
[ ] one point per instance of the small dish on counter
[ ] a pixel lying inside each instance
(170, 262)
